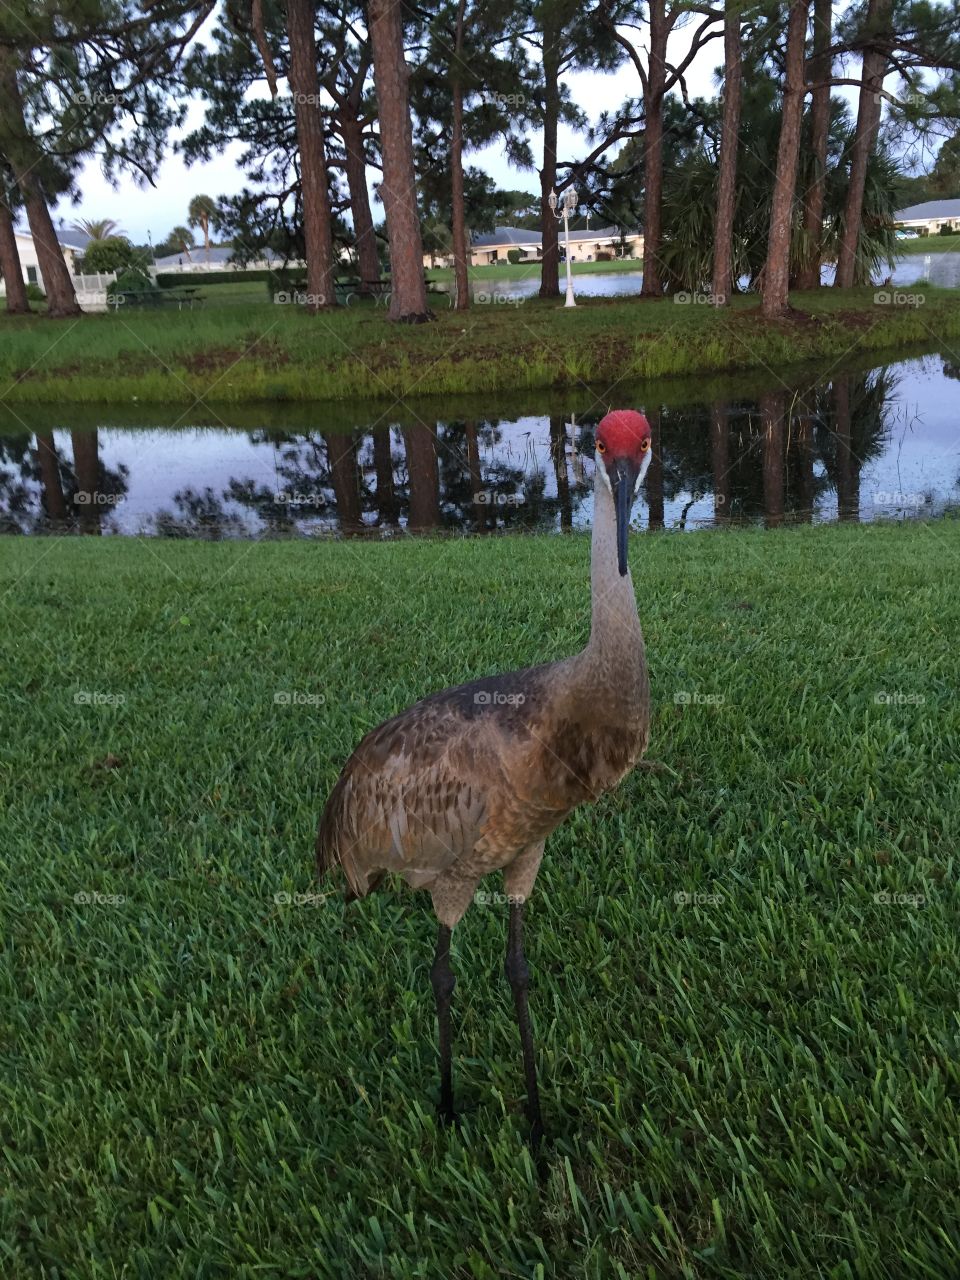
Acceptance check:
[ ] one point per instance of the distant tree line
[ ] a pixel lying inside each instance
(765, 181)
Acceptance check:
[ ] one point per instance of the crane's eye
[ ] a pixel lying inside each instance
(601, 447)
(645, 445)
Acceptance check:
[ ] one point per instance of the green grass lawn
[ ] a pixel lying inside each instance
(744, 964)
(229, 292)
(929, 244)
(515, 270)
(261, 352)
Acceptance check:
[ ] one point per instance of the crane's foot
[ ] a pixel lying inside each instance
(449, 1119)
(538, 1135)
(653, 766)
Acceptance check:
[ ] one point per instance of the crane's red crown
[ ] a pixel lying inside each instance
(624, 433)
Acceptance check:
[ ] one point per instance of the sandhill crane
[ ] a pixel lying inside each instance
(474, 779)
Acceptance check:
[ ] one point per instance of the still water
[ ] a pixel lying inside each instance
(938, 268)
(881, 442)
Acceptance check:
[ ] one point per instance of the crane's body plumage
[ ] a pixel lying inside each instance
(466, 781)
(474, 779)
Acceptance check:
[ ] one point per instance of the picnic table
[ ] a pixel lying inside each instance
(187, 297)
(349, 291)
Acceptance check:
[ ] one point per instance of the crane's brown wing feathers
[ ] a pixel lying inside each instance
(403, 801)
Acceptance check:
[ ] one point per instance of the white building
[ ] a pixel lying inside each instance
(30, 262)
(585, 246)
(927, 219)
(218, 258)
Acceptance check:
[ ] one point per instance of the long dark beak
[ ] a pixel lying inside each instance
(626, 479)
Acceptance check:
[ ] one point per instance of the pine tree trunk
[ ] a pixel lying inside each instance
(808, 276)
(10, 269)
(864, 141)
(653, 153)
(365, 239)
(344, 478)
(772, 406)
(408, 291)
(776, 283)
(314, 189)
(86, 469)
(848, 465)
(424, 473)
(388, 508)
(21, 155)
(481, 509)
(48, 464)
(558, 452)
(549, 231)
(458, 212)
(805, 482)
(57, 281)
(727, 184)
(458, 208)
(720, 462)
(654, 480)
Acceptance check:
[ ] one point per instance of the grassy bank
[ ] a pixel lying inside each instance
(579, 399)
(233, 354)
(531, 270)
(930, 244)
(205, 1078)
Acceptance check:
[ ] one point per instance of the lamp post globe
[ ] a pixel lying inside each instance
(569, 205)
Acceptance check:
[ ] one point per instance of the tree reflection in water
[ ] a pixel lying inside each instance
(776, 459)
(42, 492)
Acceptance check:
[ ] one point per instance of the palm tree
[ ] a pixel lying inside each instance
(182, 237)
(203, 214)
(97, 228)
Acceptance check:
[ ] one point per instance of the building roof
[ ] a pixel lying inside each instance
(929, 209)
(71, 236)
(221, 254)
(598, 233)
(218, 253)
(504, 237)
(69, 239)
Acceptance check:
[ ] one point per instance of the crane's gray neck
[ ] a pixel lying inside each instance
(614, 656)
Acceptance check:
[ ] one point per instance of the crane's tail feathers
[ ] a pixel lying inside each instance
(328, 859)
(332, 855)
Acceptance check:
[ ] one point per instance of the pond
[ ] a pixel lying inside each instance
(939, 268)
(853, 444)
(942, 269)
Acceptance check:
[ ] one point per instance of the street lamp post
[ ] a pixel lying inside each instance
(568, 202)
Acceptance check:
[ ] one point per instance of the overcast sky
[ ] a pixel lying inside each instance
(155, 210)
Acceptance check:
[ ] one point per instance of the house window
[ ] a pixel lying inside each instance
(32, 275)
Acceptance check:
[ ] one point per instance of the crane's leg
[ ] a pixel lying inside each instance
(518, 975)
(441, 975)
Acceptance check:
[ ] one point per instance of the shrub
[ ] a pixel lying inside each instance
(174, 279)
(35, 293)
(278, 279)
(604, 255)
(514, 256)
(133, 280)
(115, 253)
(946, 229)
